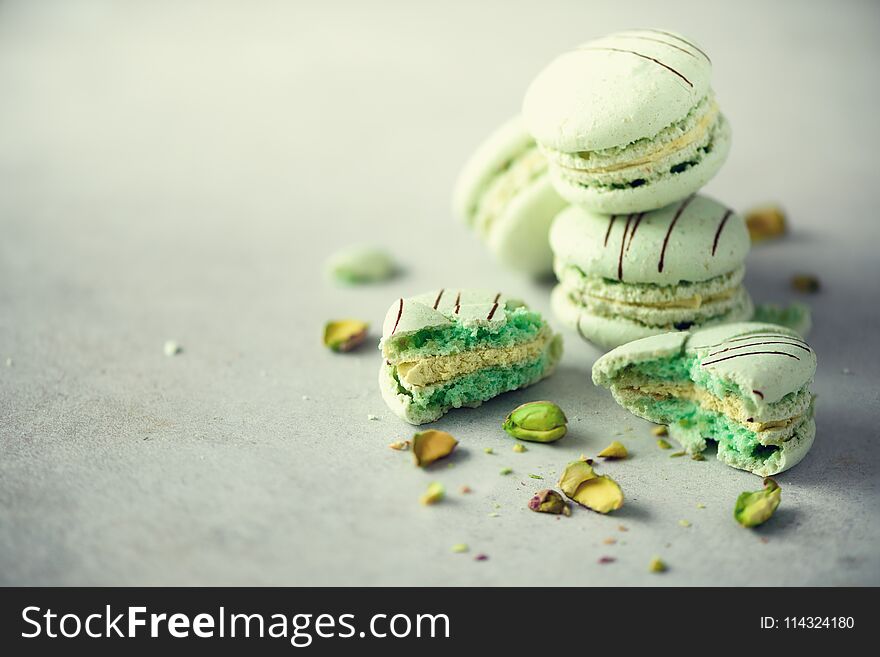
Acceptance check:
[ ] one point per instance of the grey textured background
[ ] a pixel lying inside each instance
(182, 169)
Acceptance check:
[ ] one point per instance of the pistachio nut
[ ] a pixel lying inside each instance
(344, 334)
(430, 445)
(753, 509)
(539, 421)
(598, 493)
(549, 501)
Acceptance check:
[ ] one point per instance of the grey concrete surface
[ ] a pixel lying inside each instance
(180, 170)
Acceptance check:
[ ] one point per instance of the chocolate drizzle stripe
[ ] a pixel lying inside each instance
(638, 54)
(622, 242)
(750, 353)
(457, 303)
(492, 312)
(757, 335)
(608, 232)
(720, 228)
(497, 297)
(757, 344)
(399, 314)
(678, 212)
(638, 222)
(665, 43)
(759, 393)
(437, 302)
(682, 40)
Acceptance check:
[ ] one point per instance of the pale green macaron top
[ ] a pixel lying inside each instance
(693, 240)
(616, 90)
(504, 193)
(760, 362)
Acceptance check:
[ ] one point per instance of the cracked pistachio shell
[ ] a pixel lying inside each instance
(615, 450)
(539, 421)
(601, 494)
(753, 509)
(428, 446)
(344, 334)
(575, 473)
(549, 501)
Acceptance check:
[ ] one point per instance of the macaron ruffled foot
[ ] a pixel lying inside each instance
(745, 387)
(626, 277)
(458, 348)
(628, 122)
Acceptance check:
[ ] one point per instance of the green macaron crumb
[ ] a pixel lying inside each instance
(505, 471)
(360, 264)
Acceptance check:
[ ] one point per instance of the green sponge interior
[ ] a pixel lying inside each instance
(522, 325)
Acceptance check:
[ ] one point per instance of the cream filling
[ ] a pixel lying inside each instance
(524, 169)
(693, 302)
(729, 406)
(437, 369)
(695, 134)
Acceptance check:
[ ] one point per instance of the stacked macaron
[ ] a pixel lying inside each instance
(631, 130)
(504, 194)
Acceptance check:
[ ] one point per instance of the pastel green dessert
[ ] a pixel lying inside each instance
(744, 386)
(628, 122)
(355, 265)
(625, 277)
(452, 348)
(505, 195)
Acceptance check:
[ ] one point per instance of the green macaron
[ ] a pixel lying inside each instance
(625, 277)
(505, 195)
(458, 348)
(744, 386)
(628, 122)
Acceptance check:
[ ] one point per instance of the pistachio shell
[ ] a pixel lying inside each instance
(575, 473)
(600, 494)
(430, 445)
(615, 450)
(344, 334)
(539, 421)
(753, 509)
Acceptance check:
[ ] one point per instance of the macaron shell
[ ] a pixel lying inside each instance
(615, 90)
(443, 307)
(693, 240)
(503, 145)
(663, 190)
(519, 237)
(766, 362)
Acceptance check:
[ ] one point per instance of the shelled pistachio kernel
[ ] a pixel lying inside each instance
(755, 508)
(549, 501)
(539, 421)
